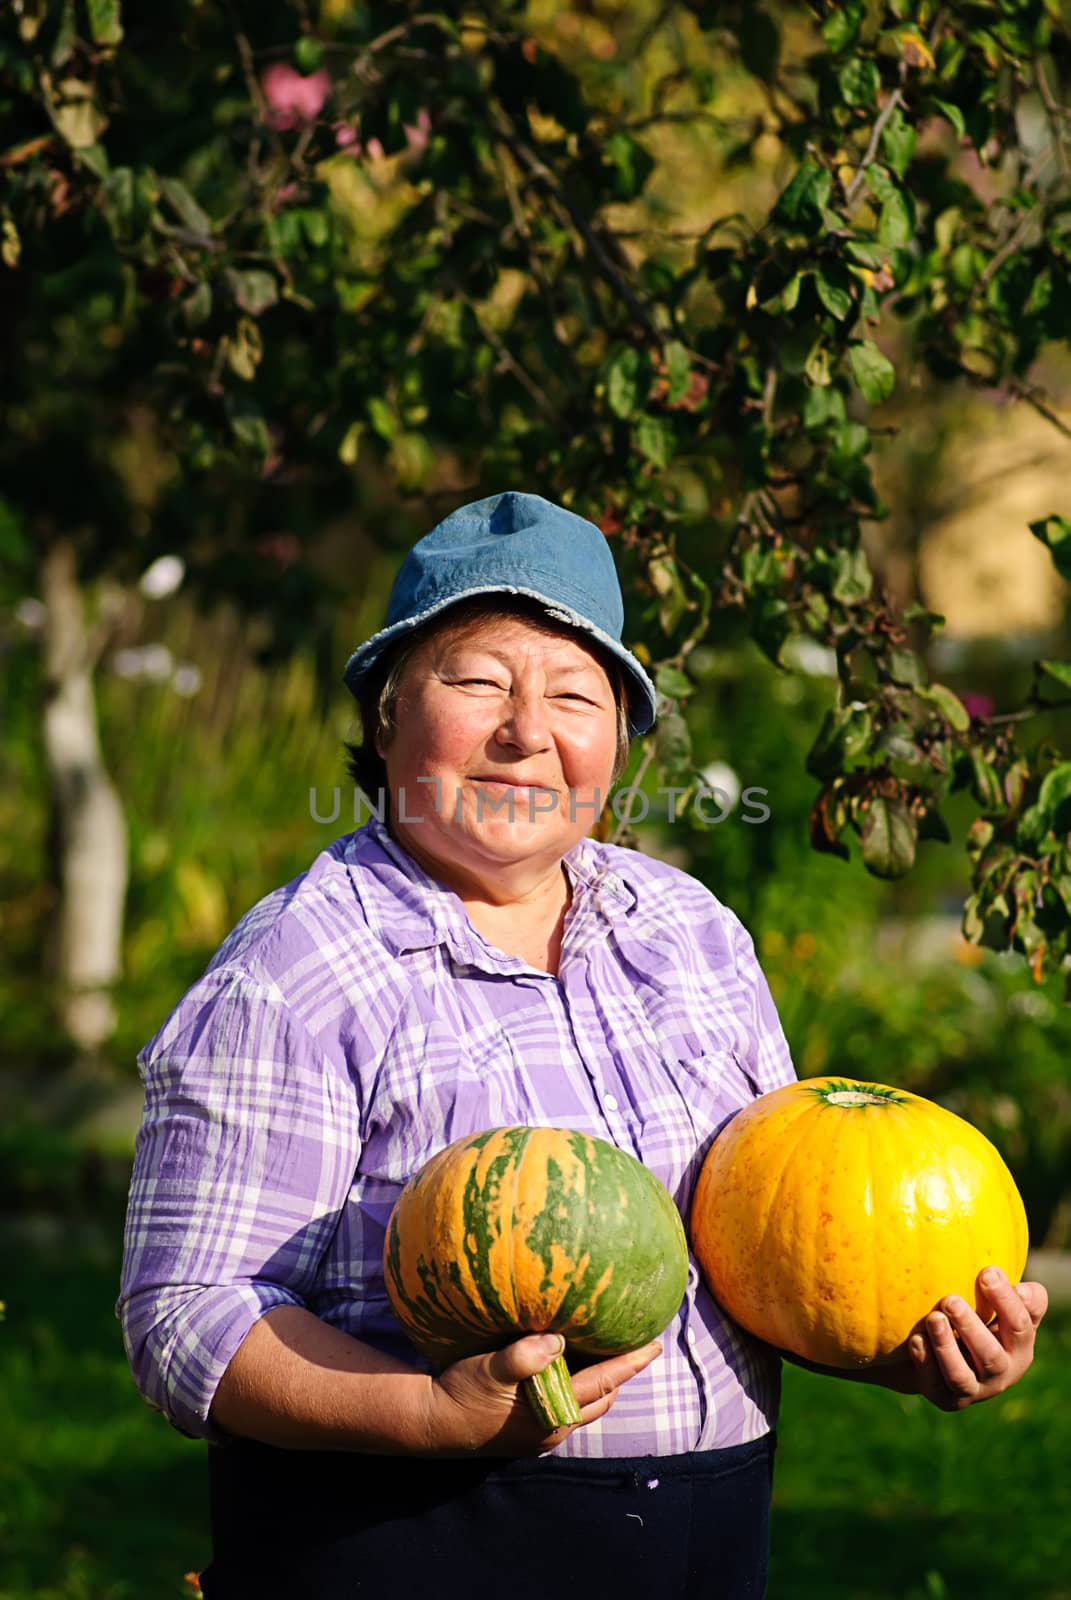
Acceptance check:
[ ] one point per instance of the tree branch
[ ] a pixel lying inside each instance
(598, 250)
(895, 99)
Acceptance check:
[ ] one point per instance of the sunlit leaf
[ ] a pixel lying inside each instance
(873, 372)
(105, 21)
(887, 835)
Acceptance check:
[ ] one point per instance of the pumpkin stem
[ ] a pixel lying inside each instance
(551, 1395)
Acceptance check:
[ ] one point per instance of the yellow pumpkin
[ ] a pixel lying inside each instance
(831, 1215)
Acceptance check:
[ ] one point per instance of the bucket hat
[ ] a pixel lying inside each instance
(514, 544)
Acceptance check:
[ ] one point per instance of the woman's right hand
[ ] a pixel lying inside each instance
(477, 1406)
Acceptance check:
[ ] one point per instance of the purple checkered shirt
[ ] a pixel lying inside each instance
(354, 1023)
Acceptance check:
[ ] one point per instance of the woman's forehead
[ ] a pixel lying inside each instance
(506, 634)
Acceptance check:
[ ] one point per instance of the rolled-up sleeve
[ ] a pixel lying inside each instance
(245, 1157)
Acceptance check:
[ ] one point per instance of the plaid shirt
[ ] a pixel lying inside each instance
(354, 1023)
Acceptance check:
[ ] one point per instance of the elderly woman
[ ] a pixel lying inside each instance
(471, 960)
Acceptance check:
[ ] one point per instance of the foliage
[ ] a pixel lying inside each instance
(312, 246)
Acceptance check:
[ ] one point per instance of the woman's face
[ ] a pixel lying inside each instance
(503, 748)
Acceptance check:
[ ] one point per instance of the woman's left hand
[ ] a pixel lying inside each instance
(952, 1372)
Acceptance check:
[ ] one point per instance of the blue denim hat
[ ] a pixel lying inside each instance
(514, 544)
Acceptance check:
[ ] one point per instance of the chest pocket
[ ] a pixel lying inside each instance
(689, 1078)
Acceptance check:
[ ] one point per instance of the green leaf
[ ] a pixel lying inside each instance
(805, 198)
(350, 447)
(954, 115)
(834, 293)
(10, 243)
(78, 118)
(381, 417)
(898, 140)
(859, 81)
(253, 289)
(245, 349)
(105, 21)
(904, 666)
(972, 923)
(1060, 670)
(674, 683)
(128, 197)
(673, 745)
(873, 373)
(678, 371)
(316, 227)
(985, 783)
(622, 379)
(852, 577)
(197, 306)
(630, 164)
(980, 836)
(248, 424)
(948, 704)
(896, 223)
(665, 576)
(185, 207)
(841, 28)
(95, 157)
(655, 440)
(789, 297)
(932, 621)
(1055, 532)
(816, 368)
(1055, 790)
(845, 735)
(848, 441)
(888, 836)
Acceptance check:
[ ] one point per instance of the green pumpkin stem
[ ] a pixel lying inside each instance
(551, 1395)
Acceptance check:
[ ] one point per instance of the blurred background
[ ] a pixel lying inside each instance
(221, 739)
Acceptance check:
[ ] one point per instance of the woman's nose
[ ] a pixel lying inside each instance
(524, 723)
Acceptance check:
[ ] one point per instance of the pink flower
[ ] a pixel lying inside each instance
(345, 135)
(977, 705)
(293, 101)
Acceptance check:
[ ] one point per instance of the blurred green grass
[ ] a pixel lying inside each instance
(877, 1497)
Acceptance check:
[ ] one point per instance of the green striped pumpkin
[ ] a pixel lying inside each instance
(533, 1230)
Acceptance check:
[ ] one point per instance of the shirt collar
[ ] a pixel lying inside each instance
(415, 911)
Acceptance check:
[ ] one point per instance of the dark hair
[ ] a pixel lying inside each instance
(378, 693)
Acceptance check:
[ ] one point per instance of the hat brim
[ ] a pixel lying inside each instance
(642, 695)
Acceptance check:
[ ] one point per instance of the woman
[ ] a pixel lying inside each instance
(471, 960)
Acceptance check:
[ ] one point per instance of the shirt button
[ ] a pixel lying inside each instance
(690, 1336)
(610, 1102)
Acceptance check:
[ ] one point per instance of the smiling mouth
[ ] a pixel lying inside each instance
(508, 783)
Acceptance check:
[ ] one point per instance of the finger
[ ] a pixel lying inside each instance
(595, 1383)
(979, 1347)
(931, 1385)
(524, 1357)
(949, 1360)
(1015, 1326)
(1035, 1298)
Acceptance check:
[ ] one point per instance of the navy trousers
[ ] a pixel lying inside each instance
(300, 1525)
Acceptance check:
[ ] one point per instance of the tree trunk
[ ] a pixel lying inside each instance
(89, 829)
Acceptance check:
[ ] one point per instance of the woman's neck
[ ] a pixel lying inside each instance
(531, 929)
